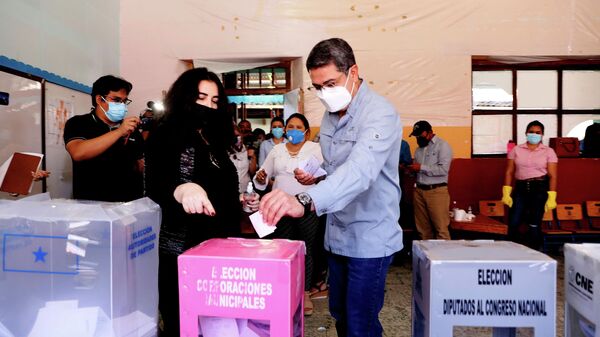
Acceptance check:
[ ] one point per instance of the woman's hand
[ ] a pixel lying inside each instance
(506, 199)
(40, 174)
(193, 198)
(304, 178)
(252, 201)
(261, 176)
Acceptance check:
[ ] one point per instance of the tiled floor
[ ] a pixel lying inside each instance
(396, 314)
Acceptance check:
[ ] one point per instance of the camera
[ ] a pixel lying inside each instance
(145, 122)
(147, 117)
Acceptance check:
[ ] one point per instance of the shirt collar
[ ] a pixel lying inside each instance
(273, 142)
(357, 101)
(97, 120)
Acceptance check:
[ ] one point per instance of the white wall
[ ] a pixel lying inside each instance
(76, 39)
(417, 53)
(61, 104)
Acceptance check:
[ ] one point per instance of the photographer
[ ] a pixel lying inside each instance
(106, 149)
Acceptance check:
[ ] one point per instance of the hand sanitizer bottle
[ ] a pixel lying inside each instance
(248, 195)
(454, 208)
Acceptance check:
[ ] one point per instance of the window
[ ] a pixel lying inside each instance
(257, 94)
(275, 78)
(508, 93)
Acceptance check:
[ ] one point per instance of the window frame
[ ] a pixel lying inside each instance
(245, 77)
(489, 63)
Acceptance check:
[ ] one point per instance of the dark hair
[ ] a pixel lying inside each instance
(180, 102)
(301, 118)
(535, 123)
(277, 119)
(108, 83)
(244, 120)
(259, 131)
(335, 50)
(182, 95)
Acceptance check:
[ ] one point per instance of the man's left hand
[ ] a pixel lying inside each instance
(278, 204)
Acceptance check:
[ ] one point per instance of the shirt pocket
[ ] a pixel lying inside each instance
(343, 144)
(350, 135)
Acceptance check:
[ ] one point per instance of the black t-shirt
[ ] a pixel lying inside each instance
(111, 176)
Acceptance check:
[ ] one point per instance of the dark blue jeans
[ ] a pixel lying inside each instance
(356, 291)
(529, 198)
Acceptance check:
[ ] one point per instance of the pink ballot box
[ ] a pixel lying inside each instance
(242, 288)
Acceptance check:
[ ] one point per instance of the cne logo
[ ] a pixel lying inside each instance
(581, 281)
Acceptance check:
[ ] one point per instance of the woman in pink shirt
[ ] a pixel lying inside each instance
(534, 166)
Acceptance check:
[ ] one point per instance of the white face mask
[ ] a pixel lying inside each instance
(336, 98)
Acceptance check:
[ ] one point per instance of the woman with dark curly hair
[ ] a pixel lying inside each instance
(189, 174)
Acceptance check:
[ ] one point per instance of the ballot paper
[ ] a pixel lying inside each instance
(83, 321)
(218, 327)
(312, 167)
(261, 228)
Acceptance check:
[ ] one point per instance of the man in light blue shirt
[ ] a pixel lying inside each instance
(360, 140)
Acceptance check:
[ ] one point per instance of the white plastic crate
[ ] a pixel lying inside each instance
(582, 277)
(487, 284)
(78, 269)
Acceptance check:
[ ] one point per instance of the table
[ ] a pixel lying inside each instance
(481, 224)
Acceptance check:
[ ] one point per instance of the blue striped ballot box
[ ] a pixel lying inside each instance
(460, 287)
(73, 269)
(582, 278)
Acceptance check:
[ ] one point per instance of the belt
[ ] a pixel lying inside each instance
(430, 187)
(542, 178)
(536, 180)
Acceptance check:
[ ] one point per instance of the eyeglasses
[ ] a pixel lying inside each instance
(126, 101)
(328, 84)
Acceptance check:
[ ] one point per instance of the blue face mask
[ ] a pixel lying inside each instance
(116, 111)
(295, 136)
(277, 132)
(534, 138)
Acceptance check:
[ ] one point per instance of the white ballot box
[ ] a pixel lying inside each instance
(78, 268)
(499, 285)
(582, 276)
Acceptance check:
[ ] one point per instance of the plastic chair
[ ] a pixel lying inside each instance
(592, 209)
(553, 236)
(574, 213)
(491, 208)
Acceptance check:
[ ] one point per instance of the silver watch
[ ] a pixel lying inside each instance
(305, 200)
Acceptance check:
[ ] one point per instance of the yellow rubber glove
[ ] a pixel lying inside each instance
(506, 199)
(551, 202)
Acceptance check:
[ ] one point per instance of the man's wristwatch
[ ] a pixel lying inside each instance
(305, 200)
